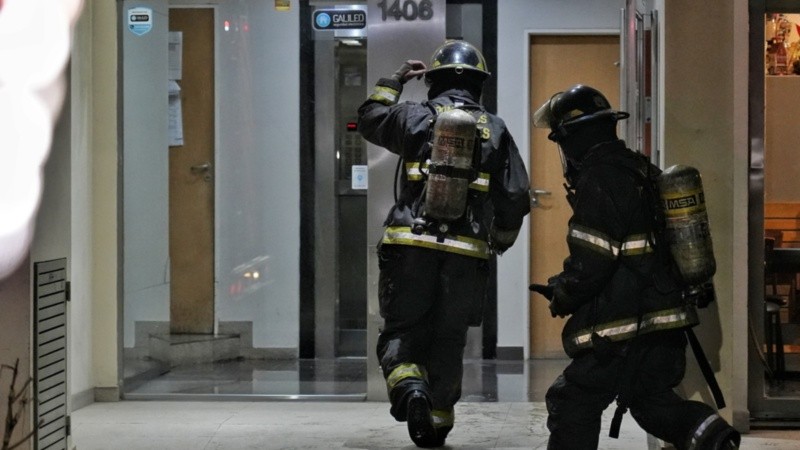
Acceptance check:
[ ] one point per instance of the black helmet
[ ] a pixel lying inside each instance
(459, 57)
(578, 106)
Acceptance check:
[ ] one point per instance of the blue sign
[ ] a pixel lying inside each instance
(140, 20)
(323, 20)
(340, 19)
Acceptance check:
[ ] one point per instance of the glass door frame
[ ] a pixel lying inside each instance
(762, 407)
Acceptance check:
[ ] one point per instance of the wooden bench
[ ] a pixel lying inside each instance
(782, 222)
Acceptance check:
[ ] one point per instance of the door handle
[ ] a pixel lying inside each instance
(204, 169)
(200, 168)
(535, 197)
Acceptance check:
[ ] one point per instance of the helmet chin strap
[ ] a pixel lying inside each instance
(569, 169)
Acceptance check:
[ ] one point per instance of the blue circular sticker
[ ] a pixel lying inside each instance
(323, 20)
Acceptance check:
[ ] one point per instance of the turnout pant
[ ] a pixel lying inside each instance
(428, 299)
(645, 371)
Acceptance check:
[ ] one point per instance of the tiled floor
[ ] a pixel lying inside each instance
(502, 408)
(178, 425)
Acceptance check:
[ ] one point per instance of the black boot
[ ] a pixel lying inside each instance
(728, 439)
(441, 435)
(718, 435)
(420, 422)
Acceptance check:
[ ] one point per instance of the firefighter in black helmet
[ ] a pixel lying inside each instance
(626, 332)
(434, 270)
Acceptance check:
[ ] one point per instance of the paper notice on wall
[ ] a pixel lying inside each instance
(175, 114)
(175, 55)
(360, 177)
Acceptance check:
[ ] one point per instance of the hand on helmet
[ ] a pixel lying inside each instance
(410, 69)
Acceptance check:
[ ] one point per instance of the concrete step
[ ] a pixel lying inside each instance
(180, 349)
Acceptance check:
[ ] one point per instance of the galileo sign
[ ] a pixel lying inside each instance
(340, 19)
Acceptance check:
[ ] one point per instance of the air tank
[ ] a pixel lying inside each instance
(450, 170)
(687, 228)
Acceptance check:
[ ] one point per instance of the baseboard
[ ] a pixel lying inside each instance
(81, 399)
(510, 353)
(106, 394)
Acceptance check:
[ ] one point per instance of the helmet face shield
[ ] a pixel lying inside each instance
(543, 117)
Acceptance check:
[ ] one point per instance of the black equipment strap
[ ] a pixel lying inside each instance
(616, 422)
(705, 367)
(629, 366)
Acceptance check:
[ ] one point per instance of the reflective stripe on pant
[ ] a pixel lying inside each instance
(428, 299)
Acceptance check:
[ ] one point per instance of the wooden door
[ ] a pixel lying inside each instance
(556, 63)
(191, 183)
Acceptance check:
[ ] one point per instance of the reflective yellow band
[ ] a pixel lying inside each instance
(635, 244)
(442, 418)
(453, 244)
(414, 172)
(403, 371)
(385, 95)
(481, 183)
(593, 240)
(417, 172)
(627, 328)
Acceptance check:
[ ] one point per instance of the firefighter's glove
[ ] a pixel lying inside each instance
(410, 69)
(548, 292)
(501, 240)
(545, 290)
(556, 309)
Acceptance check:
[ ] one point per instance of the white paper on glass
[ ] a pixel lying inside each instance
(175, 114)
(175, 55)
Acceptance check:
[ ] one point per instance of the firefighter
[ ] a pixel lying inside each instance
(434, 267)
(627, 331)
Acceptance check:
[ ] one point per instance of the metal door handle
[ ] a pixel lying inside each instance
(204, 169)
(200, 168)
(535, 197)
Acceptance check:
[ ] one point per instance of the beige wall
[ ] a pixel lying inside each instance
(705, 123)
(104, 199)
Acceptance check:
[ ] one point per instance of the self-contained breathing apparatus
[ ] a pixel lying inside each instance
(682, 226)
(687, 231)
(455, 152)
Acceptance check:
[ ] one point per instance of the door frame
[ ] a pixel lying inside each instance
(760, 405)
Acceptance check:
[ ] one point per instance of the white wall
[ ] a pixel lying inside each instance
(517, 19)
